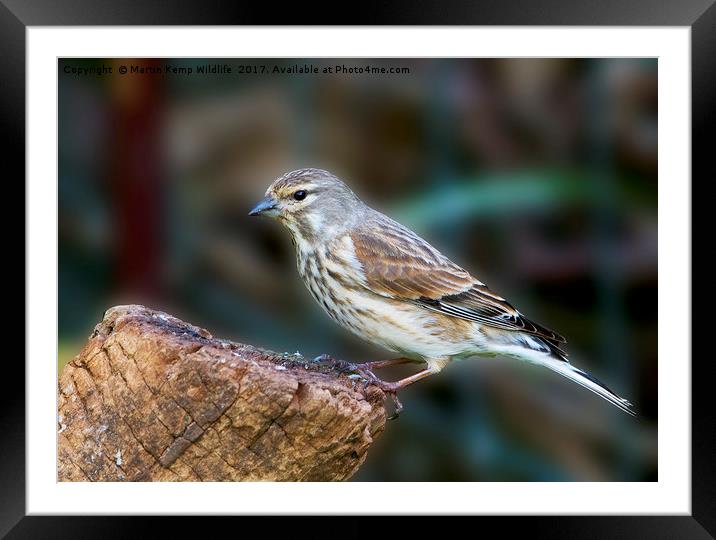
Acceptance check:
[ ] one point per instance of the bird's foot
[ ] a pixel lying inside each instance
(340, 365)
(366, 373)
(389, 388)
(321, 358)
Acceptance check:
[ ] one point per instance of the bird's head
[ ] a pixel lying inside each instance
(309, 201)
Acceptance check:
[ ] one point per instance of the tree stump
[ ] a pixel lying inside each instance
(152, 398)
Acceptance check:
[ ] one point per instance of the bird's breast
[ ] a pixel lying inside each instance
(324, 283)
(396, 325)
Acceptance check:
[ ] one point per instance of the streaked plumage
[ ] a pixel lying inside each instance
(389, 286)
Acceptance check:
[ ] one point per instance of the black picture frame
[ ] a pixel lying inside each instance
(700, 15)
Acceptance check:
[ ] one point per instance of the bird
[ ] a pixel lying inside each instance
(390, 287)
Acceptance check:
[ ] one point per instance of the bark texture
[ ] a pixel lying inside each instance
(152, 398)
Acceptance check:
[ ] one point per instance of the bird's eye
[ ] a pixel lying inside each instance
(299, 195)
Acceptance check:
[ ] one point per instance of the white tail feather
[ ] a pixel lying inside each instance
(587, 381)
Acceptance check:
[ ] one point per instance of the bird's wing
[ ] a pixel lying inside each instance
(397, 263)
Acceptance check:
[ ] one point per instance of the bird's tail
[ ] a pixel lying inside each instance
(582, 378)
(546, 352)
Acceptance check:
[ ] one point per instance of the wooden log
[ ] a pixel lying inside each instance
(152, 398)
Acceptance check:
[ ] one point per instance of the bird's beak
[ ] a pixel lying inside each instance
(267, 207)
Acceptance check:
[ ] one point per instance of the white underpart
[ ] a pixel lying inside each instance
(395, 325)
(400, 328)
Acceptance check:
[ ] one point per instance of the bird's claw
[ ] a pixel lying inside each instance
(398, 405)
(341, 365)
(388, 388)
(370, 379)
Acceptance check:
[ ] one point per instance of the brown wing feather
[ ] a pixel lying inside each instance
(399, 264)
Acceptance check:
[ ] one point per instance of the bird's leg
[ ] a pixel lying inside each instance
(392, 387)
(380, 364)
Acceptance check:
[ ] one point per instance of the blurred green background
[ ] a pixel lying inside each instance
(537, 175)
